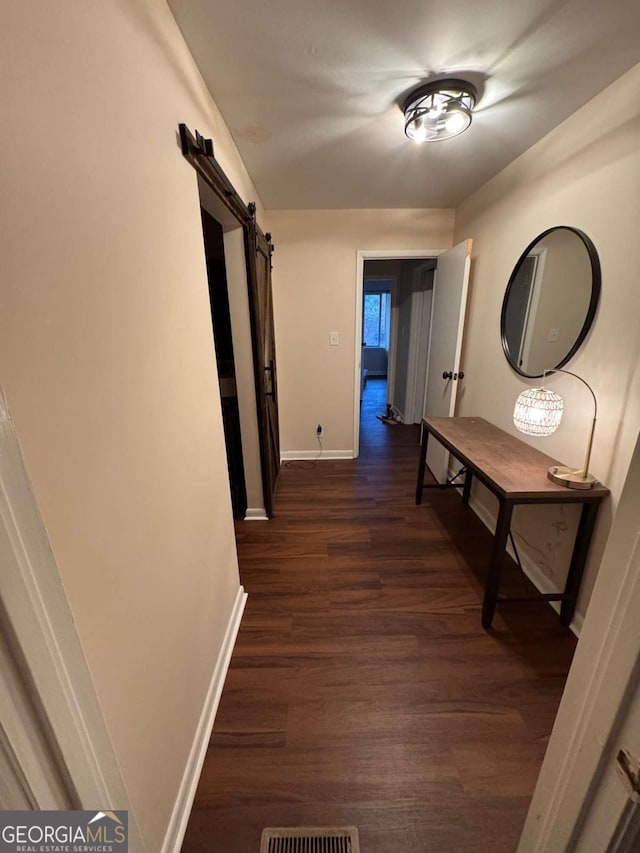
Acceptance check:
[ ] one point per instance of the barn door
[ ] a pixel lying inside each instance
(260, 250)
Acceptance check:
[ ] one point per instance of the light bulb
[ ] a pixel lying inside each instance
(455, 122)
(538, 411)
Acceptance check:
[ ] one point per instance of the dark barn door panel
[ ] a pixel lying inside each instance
(260, 250)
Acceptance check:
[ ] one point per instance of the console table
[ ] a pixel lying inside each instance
(516, 474)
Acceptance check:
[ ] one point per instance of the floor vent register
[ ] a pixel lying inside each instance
(310, 840)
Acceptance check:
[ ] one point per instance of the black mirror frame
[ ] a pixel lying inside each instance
(596, 287)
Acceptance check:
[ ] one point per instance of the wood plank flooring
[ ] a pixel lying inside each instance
(362, 688)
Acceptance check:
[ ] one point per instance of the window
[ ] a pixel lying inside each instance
(375, 326)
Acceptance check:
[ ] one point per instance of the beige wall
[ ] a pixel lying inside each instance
(106, 357)
(586, 173)
(314, 282)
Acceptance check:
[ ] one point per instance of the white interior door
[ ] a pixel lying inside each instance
(447, 324)
(612, 819)
(581, 802)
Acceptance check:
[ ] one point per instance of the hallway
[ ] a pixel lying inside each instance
(363, 690)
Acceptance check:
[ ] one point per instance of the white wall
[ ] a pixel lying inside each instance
(107, 360)
(314, 292)
(586, 173)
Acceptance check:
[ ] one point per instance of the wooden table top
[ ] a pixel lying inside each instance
(512, 468)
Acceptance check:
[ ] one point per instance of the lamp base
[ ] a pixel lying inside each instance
(571, 478)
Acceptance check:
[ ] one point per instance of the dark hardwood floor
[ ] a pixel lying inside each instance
(363, 690)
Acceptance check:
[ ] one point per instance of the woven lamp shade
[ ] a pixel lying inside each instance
(538, 411)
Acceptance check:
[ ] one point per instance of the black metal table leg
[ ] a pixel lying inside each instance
(466, 491)
(421, 464)
(578, 560)
(492, 584)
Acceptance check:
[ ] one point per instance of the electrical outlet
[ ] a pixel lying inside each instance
(319, 430)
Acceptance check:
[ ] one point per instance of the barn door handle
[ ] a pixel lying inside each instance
(447, 374)
(272, 392)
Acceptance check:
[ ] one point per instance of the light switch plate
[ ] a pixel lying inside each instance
(333, 339)
(552, 335)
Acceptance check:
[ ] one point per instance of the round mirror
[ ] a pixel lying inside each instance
(551, 300)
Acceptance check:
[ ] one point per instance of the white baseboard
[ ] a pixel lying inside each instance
(293, 455)
(187, 791)
(256, 514)
(537, 577)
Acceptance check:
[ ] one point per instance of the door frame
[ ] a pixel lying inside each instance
(533, 302)
(363, 255)
(47, 651)
(235, 427)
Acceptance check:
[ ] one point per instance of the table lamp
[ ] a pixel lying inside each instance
(538, 411)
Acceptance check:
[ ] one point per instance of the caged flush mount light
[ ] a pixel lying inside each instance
(439, 110)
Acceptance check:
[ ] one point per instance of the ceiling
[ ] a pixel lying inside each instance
(311, 88)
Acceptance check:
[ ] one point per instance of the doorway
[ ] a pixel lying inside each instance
(225, 254)
(395, 359)
(396, 314)
(225, 361)
(425, 339)
(247, 256)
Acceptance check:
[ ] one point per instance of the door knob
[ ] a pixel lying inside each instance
(447, 374)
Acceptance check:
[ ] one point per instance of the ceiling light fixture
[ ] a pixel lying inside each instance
(439, 110)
